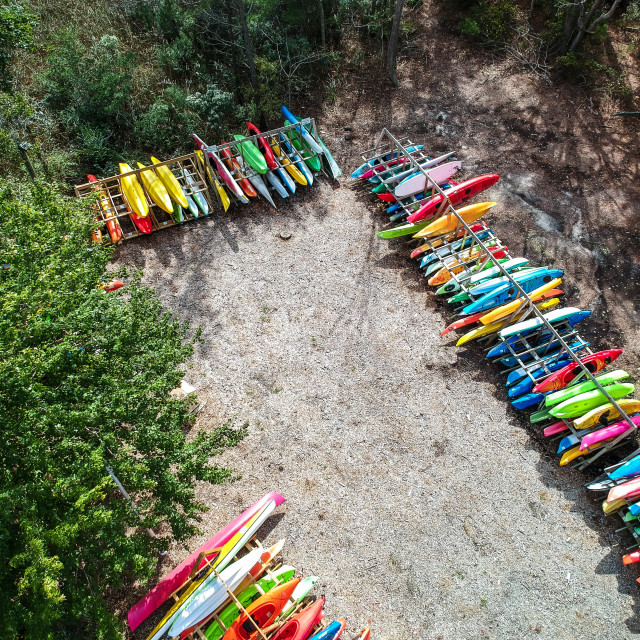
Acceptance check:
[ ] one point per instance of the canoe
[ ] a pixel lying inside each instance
(332, 631)
(198, 196)
(606, 413)
(507, 292)
(556, 397)
(235, 169)
(294, 172)
(299, 626)
(133, 193)
(261, 613)
(313, 162)
(251, 154)
(594, 362)
(163, 590)
(171, 183)
(224, 197)
(610, 432)
(418, 182)
(579, 405)
(507, 309)
(156, 189)
(449, 222)
(246, 597)
(222, 170)
(113, 226)
(461, 193)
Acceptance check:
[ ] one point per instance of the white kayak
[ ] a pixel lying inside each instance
(417, 183)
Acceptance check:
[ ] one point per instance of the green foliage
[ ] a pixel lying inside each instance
(216, 107)
(84, 383)
(490, 22)
(16, 32)
(15, 115)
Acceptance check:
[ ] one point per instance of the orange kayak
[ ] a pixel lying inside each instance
(262, 612)
(301, 625)
(112, 225)
(247, 187)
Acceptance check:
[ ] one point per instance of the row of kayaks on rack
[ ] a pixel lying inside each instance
(253, 166)
(541, 375)
(233, 588)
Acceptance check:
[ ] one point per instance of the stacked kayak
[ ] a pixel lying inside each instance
(233, 588)
(254, 166)
(512, 308)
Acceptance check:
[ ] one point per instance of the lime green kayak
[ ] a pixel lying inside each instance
(584, 402)
(313, 162)
(571, 392)
(231, 612)
(252, 155)
(404, 230)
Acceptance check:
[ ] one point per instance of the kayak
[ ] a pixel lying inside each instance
(593, 362)
(624, 491)
(301, 592)
(171, 183)
(605, 413)
(222, 170)
(302, 131)
(459, 194)
(418, 182)
(573, 454)
(609, 433)
(403, 230)
(191, 204)
(296, 158)
(449, 246)
(169, 584)
(464, 261)
(198, 196)
(249, 595)
(133, 192)
(507, 292)
(252, 155)
(449, 222)
(267, 151)
(488, 272)
(384, 158)
(579, 405)
(313, 162)
(365, 634)
(261, 613)
(557, 397)
(224, 198)
(274, 169)
(332, 631)
(300, 626)
(113, 226)
(177, 213)
(156, 189)
(234, 167)
(294, 172)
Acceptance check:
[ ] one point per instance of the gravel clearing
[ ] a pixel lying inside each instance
(411, 489)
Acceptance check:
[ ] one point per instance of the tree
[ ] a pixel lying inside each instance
(392, 65)
(582, 17)
(248, 46)
(84, 384)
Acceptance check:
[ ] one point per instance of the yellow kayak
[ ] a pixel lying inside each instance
(612, 507)
(295, 173)
(507, 309)
(449, 222)
(224, 197)
(133, 192)
(494, 327)
(593, 417)
(156, 189)
(171, 183)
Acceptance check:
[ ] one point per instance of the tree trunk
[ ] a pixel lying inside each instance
(323, 36)
(248, 47)
(570, 24)
(393, 44)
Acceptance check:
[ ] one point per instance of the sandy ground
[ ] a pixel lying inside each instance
(422, 506)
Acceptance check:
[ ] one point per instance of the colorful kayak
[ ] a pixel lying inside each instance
(606, 413)
(113, 226)
(466, 261)
(461, 193)
(267, 151)
(169, 584)
(235, 169)
(590, 400)
(312, 161)
(487, 273)
(403, 230)
(296, 159)
(593, 362)
(300, 626)
(532, 324)
(293, 171)
(249, 595)
(156, 189)
(222, 170)
(302, 131)
(252, 155)
(332, 631)
(198, 196)
(624, 491)
(133, 193)
(222, 194)
(275, 170)
(604, 379)
(261, 613)
(449, 222)
(609, 433)
(302, 591)
(419, 182)
(171, 183)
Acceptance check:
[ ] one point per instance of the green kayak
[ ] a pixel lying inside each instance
(177, 213)
(584, 402)
(381, 188)
(571, 392)
(404, 230)
(231, 612)
(334, 169)
(252, 155)
(313, 162)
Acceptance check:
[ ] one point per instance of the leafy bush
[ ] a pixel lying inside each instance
(216, 107)
(16, 32)
(84, 383)
(493, 23)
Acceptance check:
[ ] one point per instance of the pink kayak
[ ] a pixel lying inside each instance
(612, 431)
(163, 590)
(372, 172)
(625, 490)
(555, 428)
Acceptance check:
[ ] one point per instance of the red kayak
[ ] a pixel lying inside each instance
(594, 363)
(423, 248)
(457, 195)
(632, 557)
(267, 151)
(300, 626)
(247, 187)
